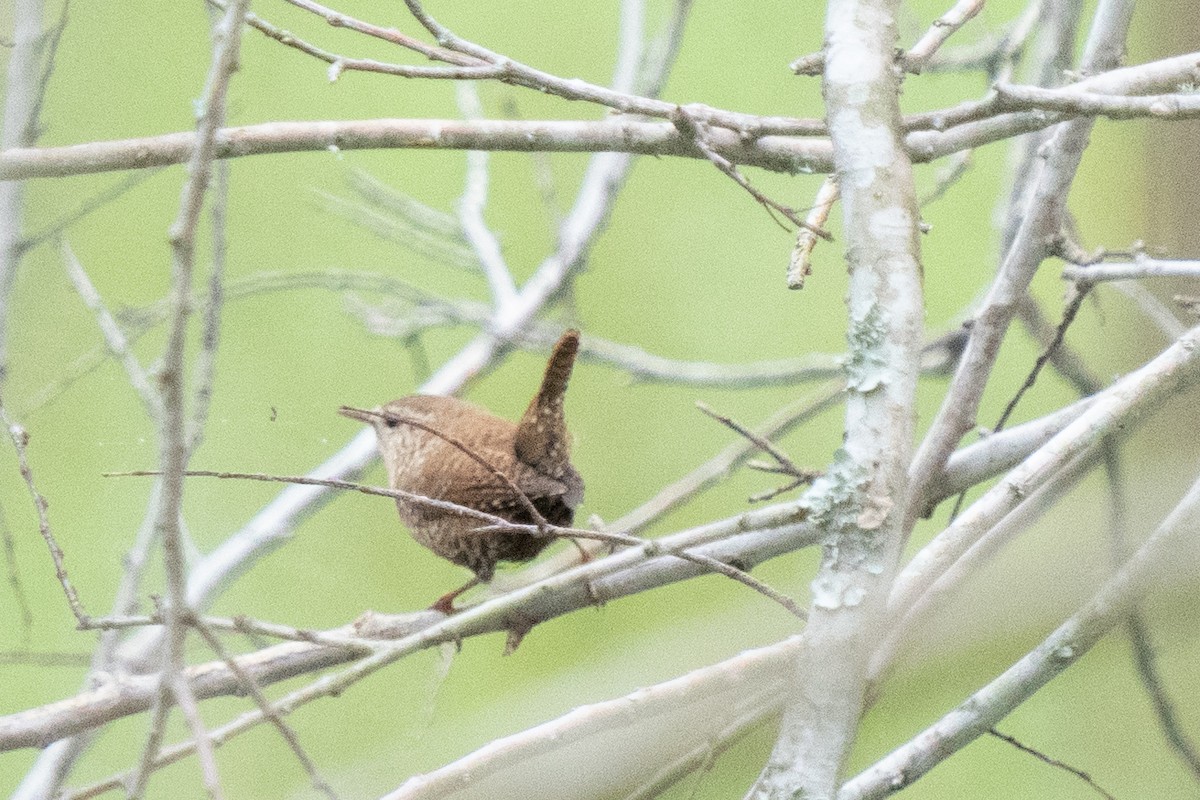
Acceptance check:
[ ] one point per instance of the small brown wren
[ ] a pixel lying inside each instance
(533, 453)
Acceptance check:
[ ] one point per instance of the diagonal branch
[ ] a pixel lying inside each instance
(1062, 649)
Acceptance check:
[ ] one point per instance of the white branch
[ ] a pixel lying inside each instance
(1063, 648)
(665, 719)
(860, 503)
(1141, 267)
(1111, 413)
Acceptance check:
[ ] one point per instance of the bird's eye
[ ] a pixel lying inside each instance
(391, 422)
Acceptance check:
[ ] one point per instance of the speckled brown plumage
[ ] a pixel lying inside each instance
(534, 454)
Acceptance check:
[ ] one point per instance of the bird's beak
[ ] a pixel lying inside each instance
(358, 414)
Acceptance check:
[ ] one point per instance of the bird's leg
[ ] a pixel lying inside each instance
(445, 603)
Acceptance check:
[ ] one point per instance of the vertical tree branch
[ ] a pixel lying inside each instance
(860, 503)
(471, 206)
(174, 449)
(210, 338)
(18, 128)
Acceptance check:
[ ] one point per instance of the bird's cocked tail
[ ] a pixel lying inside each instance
(542, 440)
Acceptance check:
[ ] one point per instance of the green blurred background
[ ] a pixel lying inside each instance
(690, 268)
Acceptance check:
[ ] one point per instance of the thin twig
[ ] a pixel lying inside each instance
(214, 301)
(1078, 295)
(20, 440)
(30, 658)
(340, 63)
(695, 130)
(1141, 267)
(744, 578)
(87, 207)
(304, 480)
(942, 29)
(800, 264)
(135, 782)
(1146, 661)
(709, 473)
(785, 463)
(245, 625)
(518, 494)
(339, 20)
(114, 338)
(14, 580)
(1054, 762)
(181, 690)
(264, 705)
(960, 163)
(496, 524)
(1137, 626)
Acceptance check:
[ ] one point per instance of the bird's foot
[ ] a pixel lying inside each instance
(445, 603)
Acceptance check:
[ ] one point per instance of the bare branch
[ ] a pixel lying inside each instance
(1141, 267)
(1057, 652)
(1113, 413)
(1075, 103)
(23, 88)
(1041, 224)
(942, 29)
(613, 135)
(998, 452)
(753, 674)
(264, 705)
(20, 441)
(800, 263)
(747, 539)
(173, 440)
(860, 500)
(471, 206)
(114, 337)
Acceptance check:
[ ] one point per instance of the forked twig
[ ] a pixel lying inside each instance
(783, 466)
